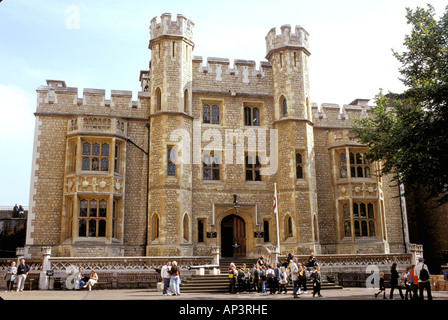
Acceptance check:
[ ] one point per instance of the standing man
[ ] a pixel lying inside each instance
(422, 273)
(22, 273)
(294, 269)
(166, 277)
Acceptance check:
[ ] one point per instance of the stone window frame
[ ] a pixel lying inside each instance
(364, 225)
(102, 158)
(299, 164)
(353, 164)
(92, 217)
(213, 167)
(255, 170)
(252, 115)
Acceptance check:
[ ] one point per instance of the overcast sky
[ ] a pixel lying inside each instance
(104, 45)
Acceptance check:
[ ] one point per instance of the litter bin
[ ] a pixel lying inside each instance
(57, 284)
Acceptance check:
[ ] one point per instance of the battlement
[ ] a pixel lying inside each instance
(181, 27)
(286, 39)
(218, 72)
(335, 115)
(56, 97)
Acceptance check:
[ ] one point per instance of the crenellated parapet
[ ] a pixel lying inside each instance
(331, 115)
(165, 27)
(218, 72)
(56, 97)
(286, 39)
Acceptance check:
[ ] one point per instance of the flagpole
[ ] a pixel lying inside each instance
(276, 217)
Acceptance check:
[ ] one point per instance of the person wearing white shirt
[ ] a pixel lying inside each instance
(166, 277)
(421, 271)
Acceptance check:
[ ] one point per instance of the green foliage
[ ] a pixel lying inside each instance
(408, 132)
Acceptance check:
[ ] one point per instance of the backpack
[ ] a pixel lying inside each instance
(424, 274)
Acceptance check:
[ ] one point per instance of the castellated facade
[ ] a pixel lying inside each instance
(192, 165)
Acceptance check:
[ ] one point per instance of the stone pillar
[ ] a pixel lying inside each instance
(46, 265)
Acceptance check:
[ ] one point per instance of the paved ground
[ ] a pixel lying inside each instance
(148, 294)
(348, 302)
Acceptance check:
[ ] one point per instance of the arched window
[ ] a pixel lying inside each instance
(299, 166)
(288, 227)
(186, 101)
(158, 99)
(215, 114)
(186, 227)
(154, 232)
(284, 106)
(171, 161)
(206, 113)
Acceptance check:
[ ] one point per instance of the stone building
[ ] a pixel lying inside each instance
(194, 162)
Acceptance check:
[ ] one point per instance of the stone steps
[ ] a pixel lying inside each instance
(219, 283)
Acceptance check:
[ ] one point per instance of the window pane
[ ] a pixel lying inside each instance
(83, 208)
(105, 150)
(298, 158)
(200, 231)
(342, 159)
(92, 228)
(249, 162)
(371, 228)
(360, 172)
(93, 208)
(299, 172)
(171, 169)
(357, 229)
(364, 228)
(346, 211)
(215, 114)
(95, 164)
(247, 116)
(343, 172)
(103, 208)
(96, 149)
(249, 175)
(216, 174)
(355, 211)
(206, 175)
(206, 160)
(215, 161)
(257, 175)
(363, 210)
(102, 228)
(358, 158)
(367, 172)
(85, 164)
(256, 116)
(370, 211)
(104, 164)
(206, 114)
(82, 228)
(347, 228)
(352, 158)
(86, 149)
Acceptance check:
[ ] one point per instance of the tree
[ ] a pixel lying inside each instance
(408, 132)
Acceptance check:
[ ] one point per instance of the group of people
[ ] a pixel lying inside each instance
(170, 275)
(263, 276)
(18, 209)
(18, 274)
(414, 281)
(86, 281)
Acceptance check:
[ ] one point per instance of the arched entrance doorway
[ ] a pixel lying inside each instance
(233, 236)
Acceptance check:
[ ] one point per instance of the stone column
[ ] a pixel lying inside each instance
(46, 265)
